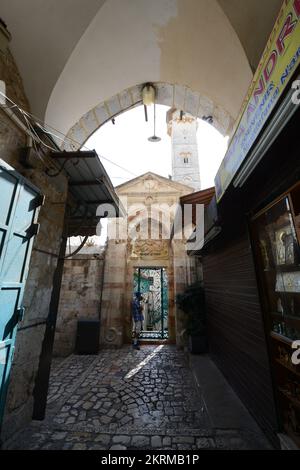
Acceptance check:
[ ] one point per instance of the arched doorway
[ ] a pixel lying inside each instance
(149, 260)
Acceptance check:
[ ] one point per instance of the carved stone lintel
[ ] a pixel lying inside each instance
(150, 249)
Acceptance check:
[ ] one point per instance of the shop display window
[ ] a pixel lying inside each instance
(276, 235)
(280, 262)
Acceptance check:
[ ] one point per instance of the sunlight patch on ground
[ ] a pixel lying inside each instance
(143, 363)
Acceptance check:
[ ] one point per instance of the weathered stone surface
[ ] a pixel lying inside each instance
(79, 446)
(13, 80)
(80, 298)
(121, 440)
(57, 436)
(141, 442)
(205, 443)
(156, 441)
(103, 439)
(166, 442)
(184, 440)
(44, 257)
(123, 256)
(144, 429)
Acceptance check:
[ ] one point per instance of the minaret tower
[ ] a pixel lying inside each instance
(182, 128)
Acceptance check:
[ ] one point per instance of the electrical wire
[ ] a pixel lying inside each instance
(100, 156)
(83, 242)
(42, 127)
(8, 107)
(119, 177)
(39, 122)
(119, 166)
(33, 141)
(27, 117)
(31, 128)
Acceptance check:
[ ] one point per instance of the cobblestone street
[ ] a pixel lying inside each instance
(125, 399)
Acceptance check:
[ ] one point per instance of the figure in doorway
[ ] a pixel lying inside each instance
(145, 310)
(138, 318)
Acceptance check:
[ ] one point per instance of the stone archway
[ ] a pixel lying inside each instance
(172, 95)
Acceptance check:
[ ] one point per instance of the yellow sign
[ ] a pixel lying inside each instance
(279, 60)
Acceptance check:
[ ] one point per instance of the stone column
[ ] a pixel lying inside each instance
(112, 308)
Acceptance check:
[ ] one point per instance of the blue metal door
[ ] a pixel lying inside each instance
(19, 202)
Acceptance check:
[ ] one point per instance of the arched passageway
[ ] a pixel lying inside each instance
(174, 96)
(81, 67)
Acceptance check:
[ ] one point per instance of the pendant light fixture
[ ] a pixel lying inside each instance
(148, 94)
(154, 138)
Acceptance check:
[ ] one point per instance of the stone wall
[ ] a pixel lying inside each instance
(114, 287)
(79, 299)
(9, 73)
(43, 262)
(185, 273)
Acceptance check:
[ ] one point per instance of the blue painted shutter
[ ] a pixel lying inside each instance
(19, 203)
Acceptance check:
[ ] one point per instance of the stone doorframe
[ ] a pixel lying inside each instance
(131, 265)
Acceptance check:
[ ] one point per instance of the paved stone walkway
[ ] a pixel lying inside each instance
(127, 399)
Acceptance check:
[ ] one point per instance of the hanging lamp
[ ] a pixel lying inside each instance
(154, 137)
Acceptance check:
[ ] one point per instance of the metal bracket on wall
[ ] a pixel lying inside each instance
(20, 314)
(39, 200)
(33, 230)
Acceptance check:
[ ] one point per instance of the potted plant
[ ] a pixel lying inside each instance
(192, 303)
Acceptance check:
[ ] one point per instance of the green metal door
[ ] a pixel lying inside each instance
(153, 285)
(19, 202)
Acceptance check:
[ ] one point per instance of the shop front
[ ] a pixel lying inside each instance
(275, 237)
(251, 271)
(250, 255)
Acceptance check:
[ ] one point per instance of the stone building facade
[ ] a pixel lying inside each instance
(103, 279)
(150, 200)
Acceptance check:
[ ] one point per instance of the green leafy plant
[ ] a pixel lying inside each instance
(192, 303)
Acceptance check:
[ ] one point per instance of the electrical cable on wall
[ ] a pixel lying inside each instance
(42, 127)
(26, 115)
(36, 139)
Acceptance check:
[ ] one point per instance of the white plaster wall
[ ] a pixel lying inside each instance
(44, 33)
(189, 42)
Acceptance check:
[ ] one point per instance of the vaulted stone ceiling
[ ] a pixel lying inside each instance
(44, 34)
(253, 21)
(74, 54)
